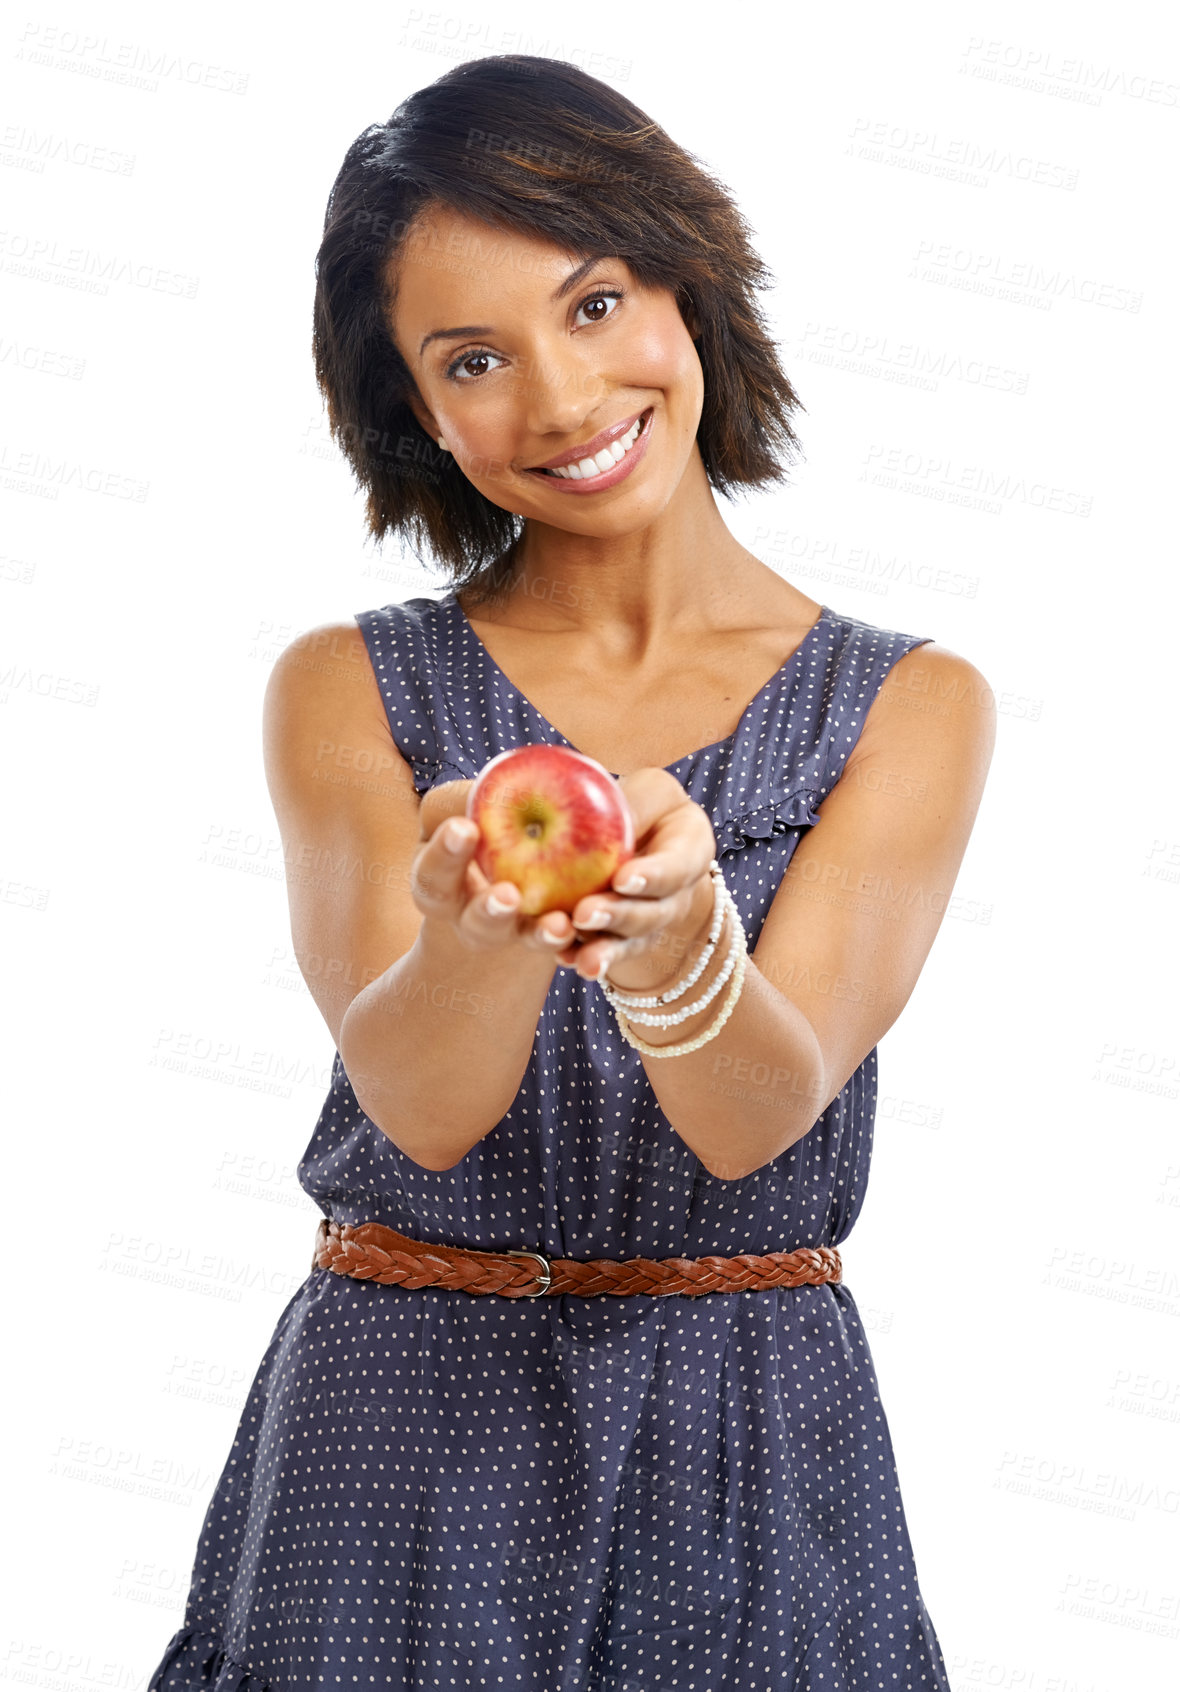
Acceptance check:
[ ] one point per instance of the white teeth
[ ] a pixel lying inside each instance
(587, 468)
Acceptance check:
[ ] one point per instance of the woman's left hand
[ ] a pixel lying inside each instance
(648, 933)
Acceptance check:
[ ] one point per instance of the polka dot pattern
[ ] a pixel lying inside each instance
(437, 1490)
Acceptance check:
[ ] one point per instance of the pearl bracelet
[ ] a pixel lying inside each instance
(658, 1019)
(737, 959)
(710, 1033)
(641, 1001)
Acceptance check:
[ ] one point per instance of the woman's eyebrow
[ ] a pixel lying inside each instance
(563, 288)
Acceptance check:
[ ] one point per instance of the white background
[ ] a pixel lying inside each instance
(965, 210)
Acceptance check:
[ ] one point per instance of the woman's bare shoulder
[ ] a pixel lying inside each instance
(323, 702)
(931, 691)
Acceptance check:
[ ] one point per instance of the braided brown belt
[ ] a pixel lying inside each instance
(373, 1252)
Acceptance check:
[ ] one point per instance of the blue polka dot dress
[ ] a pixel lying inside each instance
(433, 1489)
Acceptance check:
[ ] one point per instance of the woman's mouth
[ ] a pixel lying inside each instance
(605, 468)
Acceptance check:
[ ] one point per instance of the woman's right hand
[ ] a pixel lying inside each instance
(449, 888)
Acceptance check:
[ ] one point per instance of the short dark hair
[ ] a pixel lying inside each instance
(536, 146)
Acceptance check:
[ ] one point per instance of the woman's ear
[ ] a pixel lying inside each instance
(424, 416)
(688, 312)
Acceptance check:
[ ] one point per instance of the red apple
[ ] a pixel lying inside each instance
(551, 821)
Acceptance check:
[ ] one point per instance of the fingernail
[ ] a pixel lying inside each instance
(497, 906)
(600, 919)
(552, 939)
(605, 962)
(456, 836)
(633, 884)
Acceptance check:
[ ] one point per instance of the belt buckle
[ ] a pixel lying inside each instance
(545, 1271)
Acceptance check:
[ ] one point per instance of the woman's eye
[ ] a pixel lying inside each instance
(599, 300)
(460, 369)
(462, 363)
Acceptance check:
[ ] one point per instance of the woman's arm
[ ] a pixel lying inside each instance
(849, 928)
(434, 1023)
(437, 1046)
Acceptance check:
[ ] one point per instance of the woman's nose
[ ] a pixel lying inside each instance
(561, 394)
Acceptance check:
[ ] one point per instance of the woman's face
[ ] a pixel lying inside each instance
(522, 354)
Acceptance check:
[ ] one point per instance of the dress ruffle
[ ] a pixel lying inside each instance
(433, 772)
(772, 817)
(197, 1659)
(794, 810)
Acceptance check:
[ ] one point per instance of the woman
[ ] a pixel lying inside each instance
(513, 1431)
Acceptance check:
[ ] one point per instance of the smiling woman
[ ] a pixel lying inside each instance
(575, 1394)
(537, 183)
(474, 413)
(601, 456)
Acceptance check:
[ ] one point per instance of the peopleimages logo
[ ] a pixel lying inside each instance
(126, 62)
(1022, 281)
(46, 260)
(935, 476)
(37, 469)
(1043, 71)
(955, 158)
(884, 356)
